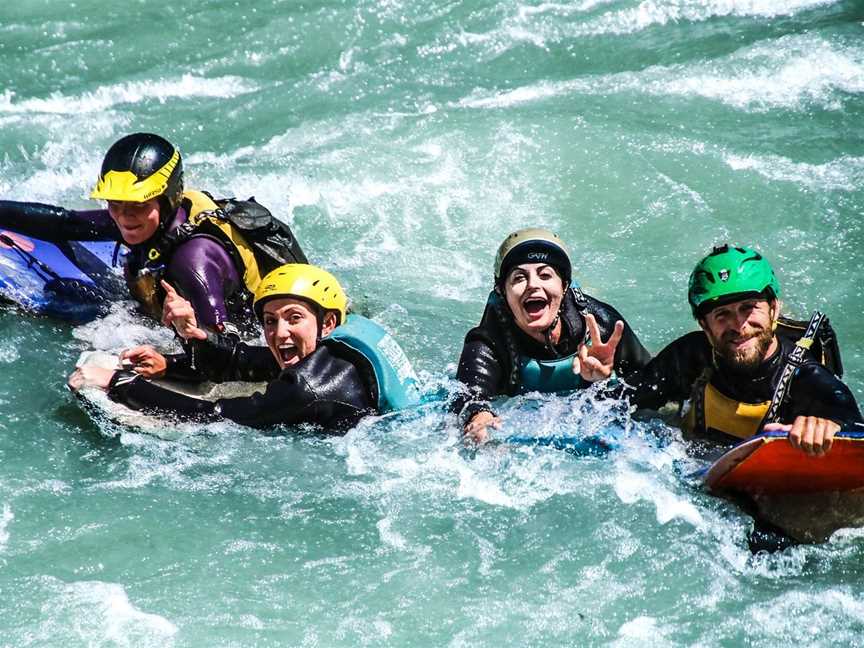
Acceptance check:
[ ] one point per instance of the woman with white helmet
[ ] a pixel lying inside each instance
(539, 332)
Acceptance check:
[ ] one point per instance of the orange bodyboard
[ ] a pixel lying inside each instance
(768, 463)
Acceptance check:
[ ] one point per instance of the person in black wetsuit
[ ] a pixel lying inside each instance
(725, 377)
(211, 264)
(321, 365)
(539, 332)
(728, 372)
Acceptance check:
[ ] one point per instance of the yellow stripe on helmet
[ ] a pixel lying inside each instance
(125, 185)
(305, 281)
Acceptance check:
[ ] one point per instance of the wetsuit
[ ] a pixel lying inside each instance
(674, 376)
(495, 351)
(332, 387)
(200, 268)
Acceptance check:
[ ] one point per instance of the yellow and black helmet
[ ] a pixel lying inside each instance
(533, 245)
(304, 281)
(139, 167)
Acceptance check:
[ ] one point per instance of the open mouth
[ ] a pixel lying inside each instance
(287, 353)
(535, 306)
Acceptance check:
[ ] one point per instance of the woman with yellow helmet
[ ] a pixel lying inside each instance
(322, 365)
(539, 332)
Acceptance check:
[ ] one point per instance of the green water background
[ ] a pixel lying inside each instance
(403, 141)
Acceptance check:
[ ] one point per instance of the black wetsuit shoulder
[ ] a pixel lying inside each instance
(671, 373)
(52, 223)
(814, 390)
(487, 361)
(326, 388)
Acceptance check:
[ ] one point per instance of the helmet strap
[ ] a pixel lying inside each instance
(319, 316)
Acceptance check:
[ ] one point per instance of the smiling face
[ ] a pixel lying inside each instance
(742, 332)
(137, 221)
(291, 329)
(534, 292)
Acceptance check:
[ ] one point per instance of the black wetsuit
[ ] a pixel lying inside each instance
(333, 387)
(200, 268)
(486, 366)
(671, 375)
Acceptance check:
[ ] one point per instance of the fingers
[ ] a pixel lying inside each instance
(776, 427)
(797, 432)
(831, 429)
(75, 380)
(813, 435)
(136, 352)
(90, 376)
(593, 329)
(594, 332)
(170, 293)
(594, 370)
(476, 430)
(617, 333)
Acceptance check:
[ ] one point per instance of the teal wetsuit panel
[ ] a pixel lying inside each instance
(549, 376)
(397, 383)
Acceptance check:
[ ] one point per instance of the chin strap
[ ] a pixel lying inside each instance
(581, 305)
(547, 334)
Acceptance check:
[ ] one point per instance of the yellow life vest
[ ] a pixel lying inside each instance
(144, 284)
(719, 413)
(203, 218)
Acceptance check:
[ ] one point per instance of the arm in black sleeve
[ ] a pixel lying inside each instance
(630, 356)
(51, 223)
(222, 358)
(670, 375)
(482, 379)
(815, 391)
(135, 392)
(285, 400)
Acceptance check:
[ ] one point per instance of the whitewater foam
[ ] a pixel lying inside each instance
(187, 86)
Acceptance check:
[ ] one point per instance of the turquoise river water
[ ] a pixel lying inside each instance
(402, 141)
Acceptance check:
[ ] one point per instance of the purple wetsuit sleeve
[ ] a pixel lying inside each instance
(203, 272)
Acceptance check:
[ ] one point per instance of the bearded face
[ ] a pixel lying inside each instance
(742, 333)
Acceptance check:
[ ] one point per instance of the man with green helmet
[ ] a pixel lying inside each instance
(729, 377)
(321, 365)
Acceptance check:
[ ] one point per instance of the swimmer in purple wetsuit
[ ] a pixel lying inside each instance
(148, 211)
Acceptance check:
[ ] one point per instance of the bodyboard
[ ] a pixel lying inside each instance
(768, 464)
(581, 446)
(71, 280)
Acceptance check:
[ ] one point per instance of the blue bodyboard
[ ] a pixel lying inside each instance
(72, 280)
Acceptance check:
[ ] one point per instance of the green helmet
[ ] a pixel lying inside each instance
(728, 275)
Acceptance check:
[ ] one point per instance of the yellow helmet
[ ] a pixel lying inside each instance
(305, 281)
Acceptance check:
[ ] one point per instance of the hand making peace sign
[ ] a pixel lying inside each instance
(596, 361)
